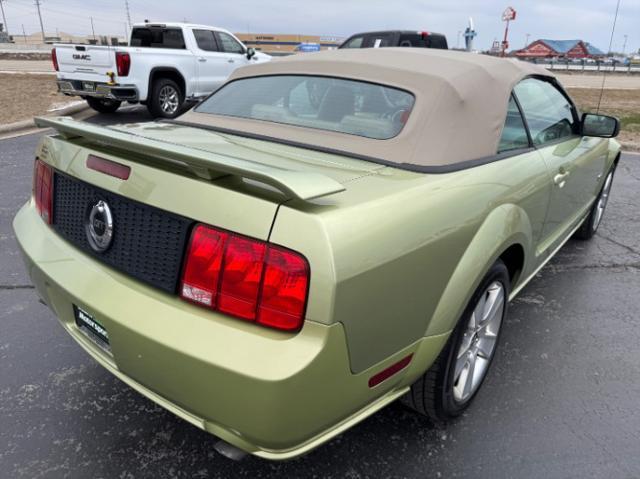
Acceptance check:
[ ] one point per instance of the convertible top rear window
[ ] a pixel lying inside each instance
(334, 104)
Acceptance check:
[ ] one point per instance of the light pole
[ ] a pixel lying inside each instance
(458, 42)
(126, 7)
(4, 19)
(624, 45)
(40, 17)
(526, 42)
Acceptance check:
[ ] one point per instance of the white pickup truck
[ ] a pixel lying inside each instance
(164, 66)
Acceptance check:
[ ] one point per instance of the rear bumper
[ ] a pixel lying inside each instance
(272, 394)
(102, 90)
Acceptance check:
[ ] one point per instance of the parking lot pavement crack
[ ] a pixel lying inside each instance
(622, 245)
(16, 286)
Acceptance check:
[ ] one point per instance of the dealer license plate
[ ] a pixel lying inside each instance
(91, 327)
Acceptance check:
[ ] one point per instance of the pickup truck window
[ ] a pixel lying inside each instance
(206, 40)
(379, 40)
(228, 44)
(335, 104)
(423, 40)
(157, 37)
(355, 42)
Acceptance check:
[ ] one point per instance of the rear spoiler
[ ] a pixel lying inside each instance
(302, 185)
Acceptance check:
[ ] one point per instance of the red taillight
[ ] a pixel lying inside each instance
(123, 63)
(284, 289)
(54, 59)
(246, 278)
(241, 277)
(43, 190)
(201, 275)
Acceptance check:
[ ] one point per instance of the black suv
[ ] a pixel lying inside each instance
(396, 38)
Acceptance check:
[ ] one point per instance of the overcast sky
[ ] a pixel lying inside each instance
(590, 20)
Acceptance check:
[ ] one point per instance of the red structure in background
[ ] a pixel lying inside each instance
(558, 49)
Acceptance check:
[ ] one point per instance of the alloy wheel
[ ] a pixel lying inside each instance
(169, 99)
(478, 342)
(602, 202)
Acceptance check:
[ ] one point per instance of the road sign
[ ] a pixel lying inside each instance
(509, 14)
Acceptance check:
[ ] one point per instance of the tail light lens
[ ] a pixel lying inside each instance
(246, 278)
(43, 190)
(284, 289)
(54, 60)
(123, 63)
(241, 277)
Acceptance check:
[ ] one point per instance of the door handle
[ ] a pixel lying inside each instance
(561, 178)
(231, 60)
(202, 59)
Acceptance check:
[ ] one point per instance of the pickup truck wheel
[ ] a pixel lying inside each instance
(591, 222)
(166, 99)
(450, 385)
(103, 105)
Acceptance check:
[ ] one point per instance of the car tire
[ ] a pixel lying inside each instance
(103, 105)
(442, 393)
(590, 225)
(166, 99)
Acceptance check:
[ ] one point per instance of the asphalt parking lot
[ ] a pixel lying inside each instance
(562, 399)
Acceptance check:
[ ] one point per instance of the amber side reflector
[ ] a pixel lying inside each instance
(108, 167)
(390, 371)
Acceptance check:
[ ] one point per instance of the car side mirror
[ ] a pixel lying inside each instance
(601, 126)
(250, 53)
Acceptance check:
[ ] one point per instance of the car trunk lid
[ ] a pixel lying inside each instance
(295, 172)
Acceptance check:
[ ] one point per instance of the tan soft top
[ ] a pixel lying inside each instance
(460, 103)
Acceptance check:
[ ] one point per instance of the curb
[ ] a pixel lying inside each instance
(18, 126)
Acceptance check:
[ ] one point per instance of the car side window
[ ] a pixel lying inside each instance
(378, 40)
(412, 40)
(206, 40)
(514, 133)
(157, 37)
(355, 42)
(228, 44)
(549, 114)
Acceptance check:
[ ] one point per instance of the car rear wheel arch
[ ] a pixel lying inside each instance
(514, 259)
(505, 233)
(170, 73)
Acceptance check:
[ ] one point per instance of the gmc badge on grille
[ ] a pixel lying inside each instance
(99, 226)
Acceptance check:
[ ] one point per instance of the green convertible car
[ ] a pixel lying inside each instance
(321, 236)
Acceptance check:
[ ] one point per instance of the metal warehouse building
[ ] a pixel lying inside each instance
(559, 49)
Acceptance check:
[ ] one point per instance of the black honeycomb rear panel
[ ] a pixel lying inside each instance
(148, 243)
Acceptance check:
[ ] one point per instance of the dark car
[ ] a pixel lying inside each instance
(396, 38)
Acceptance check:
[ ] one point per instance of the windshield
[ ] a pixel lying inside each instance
(345, 106)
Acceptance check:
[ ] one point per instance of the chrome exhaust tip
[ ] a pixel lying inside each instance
(229, 451)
